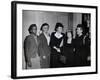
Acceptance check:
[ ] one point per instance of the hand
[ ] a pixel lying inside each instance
(29, 64)
(88, 58)
(58, 50)
(44, 57)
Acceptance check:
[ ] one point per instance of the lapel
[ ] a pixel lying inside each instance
(44, 38)
(33, 40)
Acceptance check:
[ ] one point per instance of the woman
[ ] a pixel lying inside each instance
(56, 44)
(44, 49)
(31, 48)
(80, 54)
(68, 50)
(87, 45)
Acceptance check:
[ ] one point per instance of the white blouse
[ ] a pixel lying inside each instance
(47, 37)
(58, 35)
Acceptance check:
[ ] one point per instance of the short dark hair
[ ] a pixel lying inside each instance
(44, 24)
(30, 27)
(58, 25)
(80, 26)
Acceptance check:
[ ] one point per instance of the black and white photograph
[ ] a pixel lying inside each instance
(53, 39)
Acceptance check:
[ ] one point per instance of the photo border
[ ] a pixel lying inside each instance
(14, 37)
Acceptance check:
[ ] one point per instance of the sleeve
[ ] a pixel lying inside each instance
(51, 41)
(63, 47)
(40, 45)
(26, 48)
(74, 44)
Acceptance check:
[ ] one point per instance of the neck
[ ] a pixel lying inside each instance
(33, 34)
(45, 32)
(80, 34)
(58, 32)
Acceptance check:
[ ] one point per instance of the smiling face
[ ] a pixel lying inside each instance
(59, 29)
(34, 30)
(45, 28)
(79, 31)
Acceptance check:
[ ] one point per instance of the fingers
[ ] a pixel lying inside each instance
(29, 64)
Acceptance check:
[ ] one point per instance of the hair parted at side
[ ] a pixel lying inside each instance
(44, 24)
(58, 25)
(80, 26)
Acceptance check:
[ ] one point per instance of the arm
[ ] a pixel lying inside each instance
(42, 52)
(52, 42)
(27, 45)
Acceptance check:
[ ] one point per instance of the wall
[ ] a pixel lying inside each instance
(40, 17)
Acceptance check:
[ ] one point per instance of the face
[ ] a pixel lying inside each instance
(45, 28)
(59, 29)
(34, 30)
(79, 31)
(69, 35)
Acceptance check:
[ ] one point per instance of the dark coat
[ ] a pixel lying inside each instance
(30, 47)
(80, 54)
(68, 52)
(55, 56)
(44, 50)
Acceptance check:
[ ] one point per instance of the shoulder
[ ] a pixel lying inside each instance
(28, 37)
(53, 33)
(63, 34)
(27, 40)
(41, 35)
